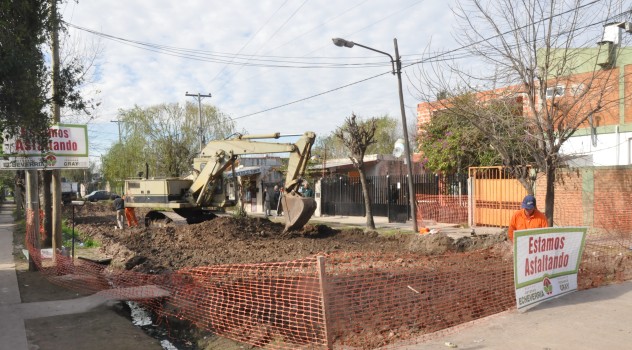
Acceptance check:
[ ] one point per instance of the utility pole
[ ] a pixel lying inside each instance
(32, 204)
(56, 173)
(119, 127)
(199, 97)
(409, 162)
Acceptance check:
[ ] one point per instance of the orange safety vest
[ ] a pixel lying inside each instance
(520, 221)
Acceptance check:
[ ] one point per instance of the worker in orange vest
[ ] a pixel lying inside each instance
(527, 217)
(130, 215)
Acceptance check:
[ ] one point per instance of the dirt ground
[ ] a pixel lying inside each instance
(231, 240)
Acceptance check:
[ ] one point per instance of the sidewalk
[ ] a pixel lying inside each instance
(13, 335)
(598, 318)
(381, 222)
(89, 322)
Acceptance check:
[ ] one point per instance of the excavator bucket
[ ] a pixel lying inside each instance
(297, 210)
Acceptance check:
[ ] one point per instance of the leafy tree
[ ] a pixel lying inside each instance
(23, 72)
(165, 137)
(28, 86)
(452, 141)
(386, 133)
(526, 52)
(357, 137)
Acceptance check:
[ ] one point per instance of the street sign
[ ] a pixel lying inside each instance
(67, 148)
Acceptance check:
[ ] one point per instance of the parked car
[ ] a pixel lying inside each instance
(101, 195)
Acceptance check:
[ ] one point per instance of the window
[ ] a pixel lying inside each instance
(555, 91)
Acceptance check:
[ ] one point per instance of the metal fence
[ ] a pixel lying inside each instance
(342, 195)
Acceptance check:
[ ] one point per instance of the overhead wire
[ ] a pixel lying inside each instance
(426, 60)
(434, 58)
(250, 39)
(234, 59)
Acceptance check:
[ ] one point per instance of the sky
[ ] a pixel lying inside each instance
(269, 64)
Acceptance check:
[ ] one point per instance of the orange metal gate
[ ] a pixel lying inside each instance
(495, 196)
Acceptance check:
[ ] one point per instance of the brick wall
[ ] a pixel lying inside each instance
(599, 197)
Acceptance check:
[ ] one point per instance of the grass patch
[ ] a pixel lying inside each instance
(386, 232)
(81, 238)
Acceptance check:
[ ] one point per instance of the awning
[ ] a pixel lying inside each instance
(249, 170)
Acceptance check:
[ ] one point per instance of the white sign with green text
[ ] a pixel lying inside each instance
(546, 262)
(66, 148)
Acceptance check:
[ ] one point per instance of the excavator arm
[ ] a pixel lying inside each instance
(219, 155)
(189, 197)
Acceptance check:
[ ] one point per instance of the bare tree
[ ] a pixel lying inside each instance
(357, 137)
(540, 76)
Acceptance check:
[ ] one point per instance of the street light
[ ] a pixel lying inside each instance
(397, 69)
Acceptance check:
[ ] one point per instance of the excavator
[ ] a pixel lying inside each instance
(205, 192)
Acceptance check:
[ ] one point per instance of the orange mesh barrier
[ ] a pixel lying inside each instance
(343, 300)
(442, 208)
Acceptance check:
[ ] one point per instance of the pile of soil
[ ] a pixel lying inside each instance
(234, 240)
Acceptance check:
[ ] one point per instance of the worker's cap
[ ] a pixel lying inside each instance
(528, 202)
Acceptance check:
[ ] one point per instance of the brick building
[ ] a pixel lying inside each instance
(602, 75)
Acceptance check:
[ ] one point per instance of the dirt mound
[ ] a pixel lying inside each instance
(245, 240)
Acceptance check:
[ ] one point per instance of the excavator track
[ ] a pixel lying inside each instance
(181, 217)
(163, 219)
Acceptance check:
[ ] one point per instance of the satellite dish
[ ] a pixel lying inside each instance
(398, 148)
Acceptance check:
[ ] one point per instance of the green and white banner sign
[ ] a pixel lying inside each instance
(546, 262)
(67, 148)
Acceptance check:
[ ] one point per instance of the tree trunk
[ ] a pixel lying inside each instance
(370, 224)
(18, 193)
(550, 191)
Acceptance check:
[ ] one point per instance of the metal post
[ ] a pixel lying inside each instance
(388, 198)
(324, 293)
(397, 69)
(73, 232)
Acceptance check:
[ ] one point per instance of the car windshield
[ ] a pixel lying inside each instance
(91, 193)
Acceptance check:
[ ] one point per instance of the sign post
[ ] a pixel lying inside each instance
(546, 262)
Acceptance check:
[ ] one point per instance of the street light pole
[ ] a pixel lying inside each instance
(199, 97)
(397, 69)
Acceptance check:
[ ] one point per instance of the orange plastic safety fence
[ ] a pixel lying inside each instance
(347, 300)
(277, 305)
(441, 209)
(376, 300)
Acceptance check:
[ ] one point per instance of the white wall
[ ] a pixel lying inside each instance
(610, 149)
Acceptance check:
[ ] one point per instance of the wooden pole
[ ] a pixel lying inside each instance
(32, 203)
(56, 173)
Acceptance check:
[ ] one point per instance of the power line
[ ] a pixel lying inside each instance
(233, 59)
(249, 40)
(424, 60)
(436, 57)
(312, 96)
